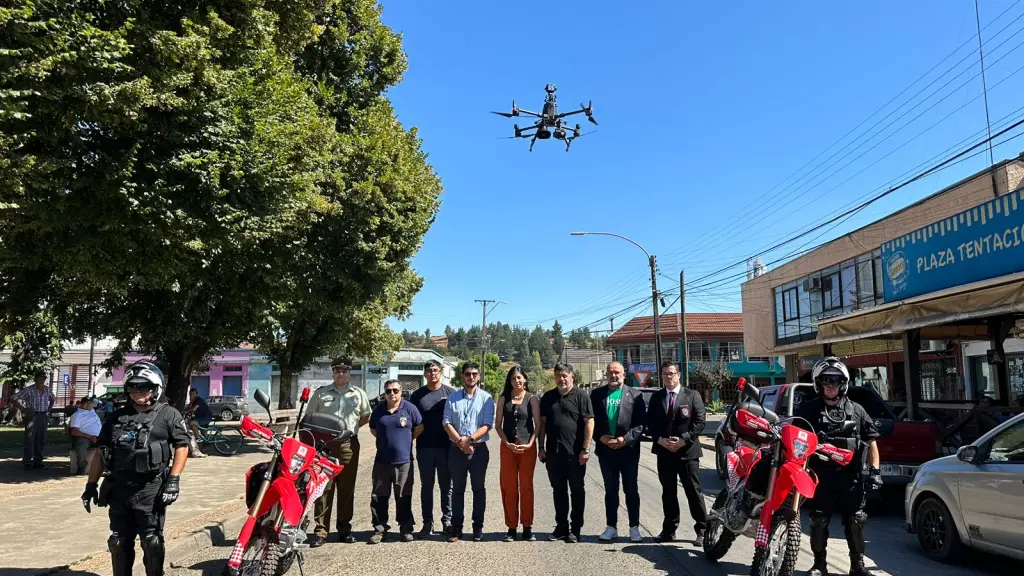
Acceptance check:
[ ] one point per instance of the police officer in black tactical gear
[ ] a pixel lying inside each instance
(145, 445)
(845, 424)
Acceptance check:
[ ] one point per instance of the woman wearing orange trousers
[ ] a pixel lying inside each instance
(516, 416)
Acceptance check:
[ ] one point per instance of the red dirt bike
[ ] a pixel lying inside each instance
(767, 475)
(280, 493)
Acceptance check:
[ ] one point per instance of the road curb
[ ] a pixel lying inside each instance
(220, 525)
(202, 539)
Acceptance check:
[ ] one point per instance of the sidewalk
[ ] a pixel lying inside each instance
(45, 526)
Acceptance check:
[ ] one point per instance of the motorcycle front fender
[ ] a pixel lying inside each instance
(283, 491)
(790, 476)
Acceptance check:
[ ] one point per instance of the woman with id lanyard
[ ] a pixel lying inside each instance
(518, 412)
(468, 419)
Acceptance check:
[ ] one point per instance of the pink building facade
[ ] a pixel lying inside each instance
(228, 374)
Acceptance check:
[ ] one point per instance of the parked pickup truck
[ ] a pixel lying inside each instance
(903, 446)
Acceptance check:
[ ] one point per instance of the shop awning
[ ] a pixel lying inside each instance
(957, 312)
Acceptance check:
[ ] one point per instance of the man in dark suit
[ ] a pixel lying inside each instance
(675, 419)
(619, 418)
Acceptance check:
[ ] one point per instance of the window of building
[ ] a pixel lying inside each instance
(764, 359)
(699, 351)
(670, 352)
(730, 351)
(232, 368)
(853, 285)
(410, 366)
(790, 309)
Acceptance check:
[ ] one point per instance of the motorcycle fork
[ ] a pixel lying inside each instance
(766, 511)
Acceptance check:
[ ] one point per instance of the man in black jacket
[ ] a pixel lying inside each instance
(619, 418)
(675, 419)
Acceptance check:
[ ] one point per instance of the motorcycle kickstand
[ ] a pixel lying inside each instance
(298, 558)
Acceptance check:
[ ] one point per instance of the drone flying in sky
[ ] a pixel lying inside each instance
(549, 121)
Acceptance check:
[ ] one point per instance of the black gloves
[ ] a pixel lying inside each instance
(91, 494)
(170, 490)
(874, 479)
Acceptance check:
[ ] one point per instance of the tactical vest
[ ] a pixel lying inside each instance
(132, 450)
(839, 425)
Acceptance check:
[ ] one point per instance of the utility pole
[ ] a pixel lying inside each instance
(483, 335)
(682, 320)
(657, 321)
(92, 351)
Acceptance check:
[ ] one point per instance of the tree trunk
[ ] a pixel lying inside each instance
(179, 366)
(284, 399)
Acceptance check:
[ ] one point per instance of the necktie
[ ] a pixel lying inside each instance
(671, 402)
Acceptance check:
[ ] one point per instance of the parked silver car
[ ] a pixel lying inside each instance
(974, 499)
(228, 407)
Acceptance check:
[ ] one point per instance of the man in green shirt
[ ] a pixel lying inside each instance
(353, 407)
(619, 418)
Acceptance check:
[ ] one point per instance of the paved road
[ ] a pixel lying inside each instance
(891, 550)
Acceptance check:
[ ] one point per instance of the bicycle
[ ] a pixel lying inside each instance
(226, 440)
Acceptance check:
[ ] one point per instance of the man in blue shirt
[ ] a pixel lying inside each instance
(468, 419)
(394, 424)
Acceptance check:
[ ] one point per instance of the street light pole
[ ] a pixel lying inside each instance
(483, 335)
(652, 261)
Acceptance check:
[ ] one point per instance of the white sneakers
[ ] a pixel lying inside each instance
(611, 533)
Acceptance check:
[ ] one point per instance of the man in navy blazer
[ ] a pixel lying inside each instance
(619, 418)
(675, 419)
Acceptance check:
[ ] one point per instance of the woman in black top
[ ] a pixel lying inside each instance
(516, 416)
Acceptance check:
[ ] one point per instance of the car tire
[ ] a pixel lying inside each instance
(936, 531)
(227, 415)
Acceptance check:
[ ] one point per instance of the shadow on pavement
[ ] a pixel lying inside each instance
(209, 567)
(61, 570)
(13, 472)
(676, 559)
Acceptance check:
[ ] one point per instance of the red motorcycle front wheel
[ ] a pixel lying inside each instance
(260, 558)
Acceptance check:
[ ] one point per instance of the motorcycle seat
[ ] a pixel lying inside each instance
(756, 409)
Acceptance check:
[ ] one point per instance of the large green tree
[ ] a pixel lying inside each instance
(35, 345)
(157, 162)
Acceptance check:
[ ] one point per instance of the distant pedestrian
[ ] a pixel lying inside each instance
(432, 448)
(675, 419)
(394, 423)
(566, 430)
(619, 418)
(201, 415)
(468, 419)
(353, 407)
(516, 421)
(36, 402)
(85, 430)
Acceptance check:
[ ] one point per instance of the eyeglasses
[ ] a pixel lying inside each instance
(671, 374)
(393, 391)
(431, 370)
(470, 374)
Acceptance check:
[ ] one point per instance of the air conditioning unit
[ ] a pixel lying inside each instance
(812, 284)
(933, 345)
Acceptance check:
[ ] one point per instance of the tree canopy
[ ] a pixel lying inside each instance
(177, 175)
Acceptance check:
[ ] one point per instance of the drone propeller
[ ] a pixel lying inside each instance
(589, 111)
(514, 113)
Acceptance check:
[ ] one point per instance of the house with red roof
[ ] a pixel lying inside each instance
(710, 337)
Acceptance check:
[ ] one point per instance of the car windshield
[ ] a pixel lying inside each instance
(1008, 446)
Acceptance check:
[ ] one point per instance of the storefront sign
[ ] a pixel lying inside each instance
(977, 244)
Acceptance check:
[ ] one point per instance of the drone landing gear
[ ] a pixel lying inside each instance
(532, 142)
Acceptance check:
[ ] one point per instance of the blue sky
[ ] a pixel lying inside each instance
(709, 115)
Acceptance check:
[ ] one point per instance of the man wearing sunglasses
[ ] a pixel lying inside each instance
(468, 419)
(394, 423)
(844, 423)
(353, 406)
